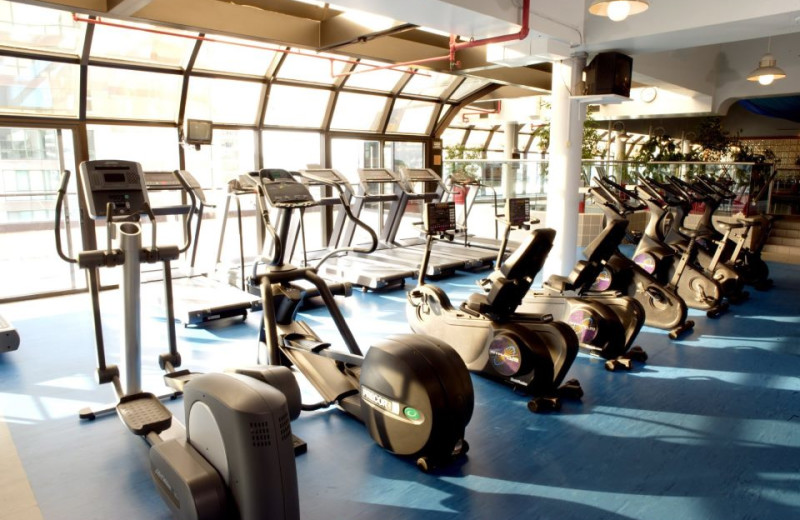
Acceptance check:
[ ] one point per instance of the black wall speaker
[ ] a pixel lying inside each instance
(609, 73)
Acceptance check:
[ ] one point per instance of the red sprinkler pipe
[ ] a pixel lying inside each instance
(521, 35)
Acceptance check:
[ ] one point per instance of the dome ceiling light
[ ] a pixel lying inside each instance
(618, 10)
(768, 70)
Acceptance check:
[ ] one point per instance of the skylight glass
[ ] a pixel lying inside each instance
(428, 83)
(127, 94)
(358, 112)
(467, 87)
(39, 28)
(236, 57)
(297, 106)
(410, 117)
(382, 80)
(223, 100)
(311, 68)
(140, 46)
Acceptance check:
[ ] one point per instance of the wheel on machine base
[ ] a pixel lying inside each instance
(427, 464)
(636, 353)
(571, 390)
(544, 404)
(677, 331)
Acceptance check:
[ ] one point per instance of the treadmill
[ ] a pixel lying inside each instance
(199, 299)
(475, 258)
(9, 337)
(371, 190)
(357, 269)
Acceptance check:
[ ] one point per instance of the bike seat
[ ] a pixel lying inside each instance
(694, 233)
(727, 226)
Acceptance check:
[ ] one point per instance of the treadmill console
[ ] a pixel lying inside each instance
(439, 217)
(518, 211)
(308, 176)
(420, 175)
(283, 190)
(375, 175)
(166, 180)
(120, 183)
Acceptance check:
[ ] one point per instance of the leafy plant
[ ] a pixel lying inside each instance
(465, 170)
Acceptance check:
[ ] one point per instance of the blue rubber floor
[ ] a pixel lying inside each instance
(708, 428)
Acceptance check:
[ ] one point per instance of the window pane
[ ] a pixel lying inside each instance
(38, 87)
(311, 69)
(452, 136)
(39, 28)
(124, 44)
(29, 178)
(291, 150)
(477, 139)
(348, 155)
(469, 86)
(296, 106)
(223, 100)
(398, 155)
(128, 94)
(237, 59)
(410, 117)
(231, 153)
(358, 112)
(383, 80)
(428, 83)
(155, 148)
(498, 141)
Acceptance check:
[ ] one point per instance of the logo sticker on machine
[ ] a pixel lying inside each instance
(603, 281)
(646, 262)
(505, 356)
(584, 325)
(391, 406)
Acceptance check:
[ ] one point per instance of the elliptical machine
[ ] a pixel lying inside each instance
(220, 465)
(530, 352)
(695, 287)
(606, 323)
(664, 309)
(412, 392)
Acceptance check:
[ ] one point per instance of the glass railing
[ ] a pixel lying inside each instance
(528, 178)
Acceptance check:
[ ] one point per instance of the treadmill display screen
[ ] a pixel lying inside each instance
(518, 211)
(114, 177)
(420, 175)
(440, 216)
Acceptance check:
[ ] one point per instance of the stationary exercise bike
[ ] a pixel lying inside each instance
(235, 457)
(746, 260)
(664, 309)
(530, 352)
(412, 392)
(672, 267)
(606, 323)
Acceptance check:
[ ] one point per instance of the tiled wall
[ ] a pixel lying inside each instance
(787, 151)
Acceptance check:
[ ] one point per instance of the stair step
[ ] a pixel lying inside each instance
(786, 223)
(782, 249)
(783, 241)
(785, 233)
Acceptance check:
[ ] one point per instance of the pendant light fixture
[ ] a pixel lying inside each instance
(768, 70)
(618, 10)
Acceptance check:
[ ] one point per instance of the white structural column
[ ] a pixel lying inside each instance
(509, 172)
(563, 179)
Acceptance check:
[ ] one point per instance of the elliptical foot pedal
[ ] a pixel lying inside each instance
(178, 379)
(544, 404)
(144, 413)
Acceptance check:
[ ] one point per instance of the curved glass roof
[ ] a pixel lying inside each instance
(140, 72)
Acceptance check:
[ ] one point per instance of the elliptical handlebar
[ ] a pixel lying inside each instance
(188, 224)
(277, 250)
(608, 182)
(346, 207)
(62, 192)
